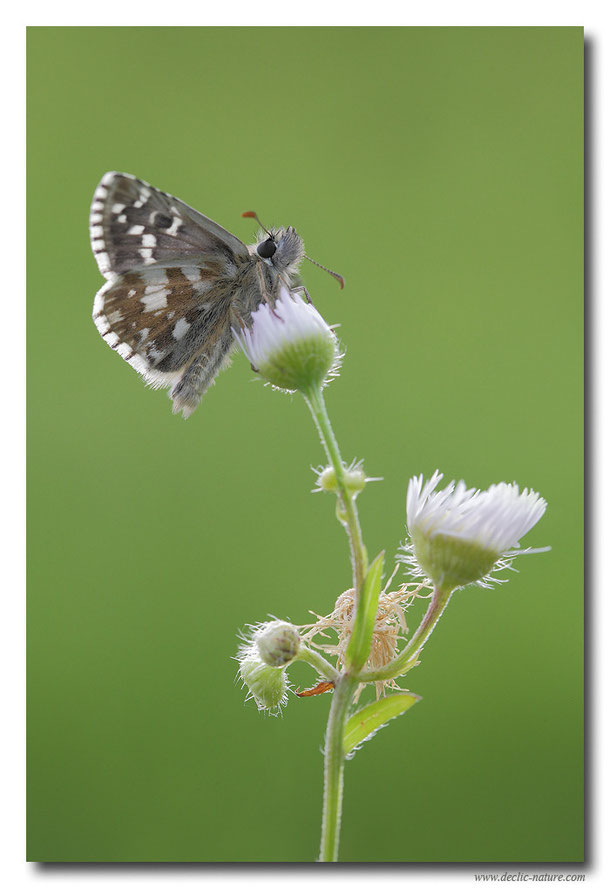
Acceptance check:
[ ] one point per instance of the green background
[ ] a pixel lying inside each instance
(440, 170)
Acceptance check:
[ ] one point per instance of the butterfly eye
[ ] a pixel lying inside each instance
(267, 248)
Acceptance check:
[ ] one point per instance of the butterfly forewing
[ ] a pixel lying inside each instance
(134, 225)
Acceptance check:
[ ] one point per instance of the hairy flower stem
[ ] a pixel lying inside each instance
(319, 663)
(333, 768)
(400, 664)
(349, 512)
(345, 683)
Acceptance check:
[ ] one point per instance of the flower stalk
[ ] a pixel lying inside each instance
(346, 684)
(319, 663)
(408, 656)
(334, 761)
(348, 512)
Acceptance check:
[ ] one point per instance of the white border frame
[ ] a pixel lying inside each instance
(594, 16)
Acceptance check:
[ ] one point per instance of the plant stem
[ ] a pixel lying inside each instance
(319, 663)
(315, 401)
(345, 683)
(400, 664)
(333, 768)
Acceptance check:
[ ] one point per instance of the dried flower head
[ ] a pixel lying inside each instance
(389, 631)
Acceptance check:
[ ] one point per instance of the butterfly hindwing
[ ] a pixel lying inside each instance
(164, 320)
(134, 225)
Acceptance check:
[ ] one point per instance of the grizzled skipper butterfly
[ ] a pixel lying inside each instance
(178, 282)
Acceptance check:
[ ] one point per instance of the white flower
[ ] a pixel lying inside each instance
(460, 534)
(290, 344)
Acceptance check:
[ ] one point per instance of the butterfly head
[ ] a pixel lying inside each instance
(281, 248)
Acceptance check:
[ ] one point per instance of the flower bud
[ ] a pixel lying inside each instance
(355, 479)
(267, 684)
(278, 643)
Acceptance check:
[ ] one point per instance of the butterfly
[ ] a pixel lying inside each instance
(177, 283)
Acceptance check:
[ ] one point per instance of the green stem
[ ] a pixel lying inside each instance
(319, 663)
(345, 683)
(333, 768)
(401, 663)
(315, 401)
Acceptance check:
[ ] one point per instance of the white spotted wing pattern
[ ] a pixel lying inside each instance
(176, 284)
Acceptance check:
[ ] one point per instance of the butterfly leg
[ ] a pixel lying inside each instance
(235, 315)
(303, 289)
(266, 296)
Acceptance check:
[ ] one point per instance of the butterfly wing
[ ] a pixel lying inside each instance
(172, 324)
(172, 274)
(134, 225)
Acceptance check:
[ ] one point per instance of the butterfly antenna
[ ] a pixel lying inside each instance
(250, 214)
(336, 276)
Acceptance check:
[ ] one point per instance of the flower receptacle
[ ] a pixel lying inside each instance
(451, 561)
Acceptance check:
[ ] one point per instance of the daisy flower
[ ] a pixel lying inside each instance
(290, 344)
(459, 535)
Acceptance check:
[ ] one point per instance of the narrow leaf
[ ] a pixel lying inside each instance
(359, 645)
(369, 719)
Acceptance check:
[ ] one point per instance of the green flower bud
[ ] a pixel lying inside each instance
(355, 479)
(267, 684)
(278, 643)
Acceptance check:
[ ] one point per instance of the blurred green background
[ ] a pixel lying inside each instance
(441, 171)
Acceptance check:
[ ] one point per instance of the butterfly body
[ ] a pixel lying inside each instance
(177, 282)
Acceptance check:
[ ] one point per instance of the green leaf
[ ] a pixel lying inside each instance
(359, 645)
(369, 719)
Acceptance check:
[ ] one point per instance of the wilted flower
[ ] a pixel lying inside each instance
(389, 629)
(459, 534)
(290, 344)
